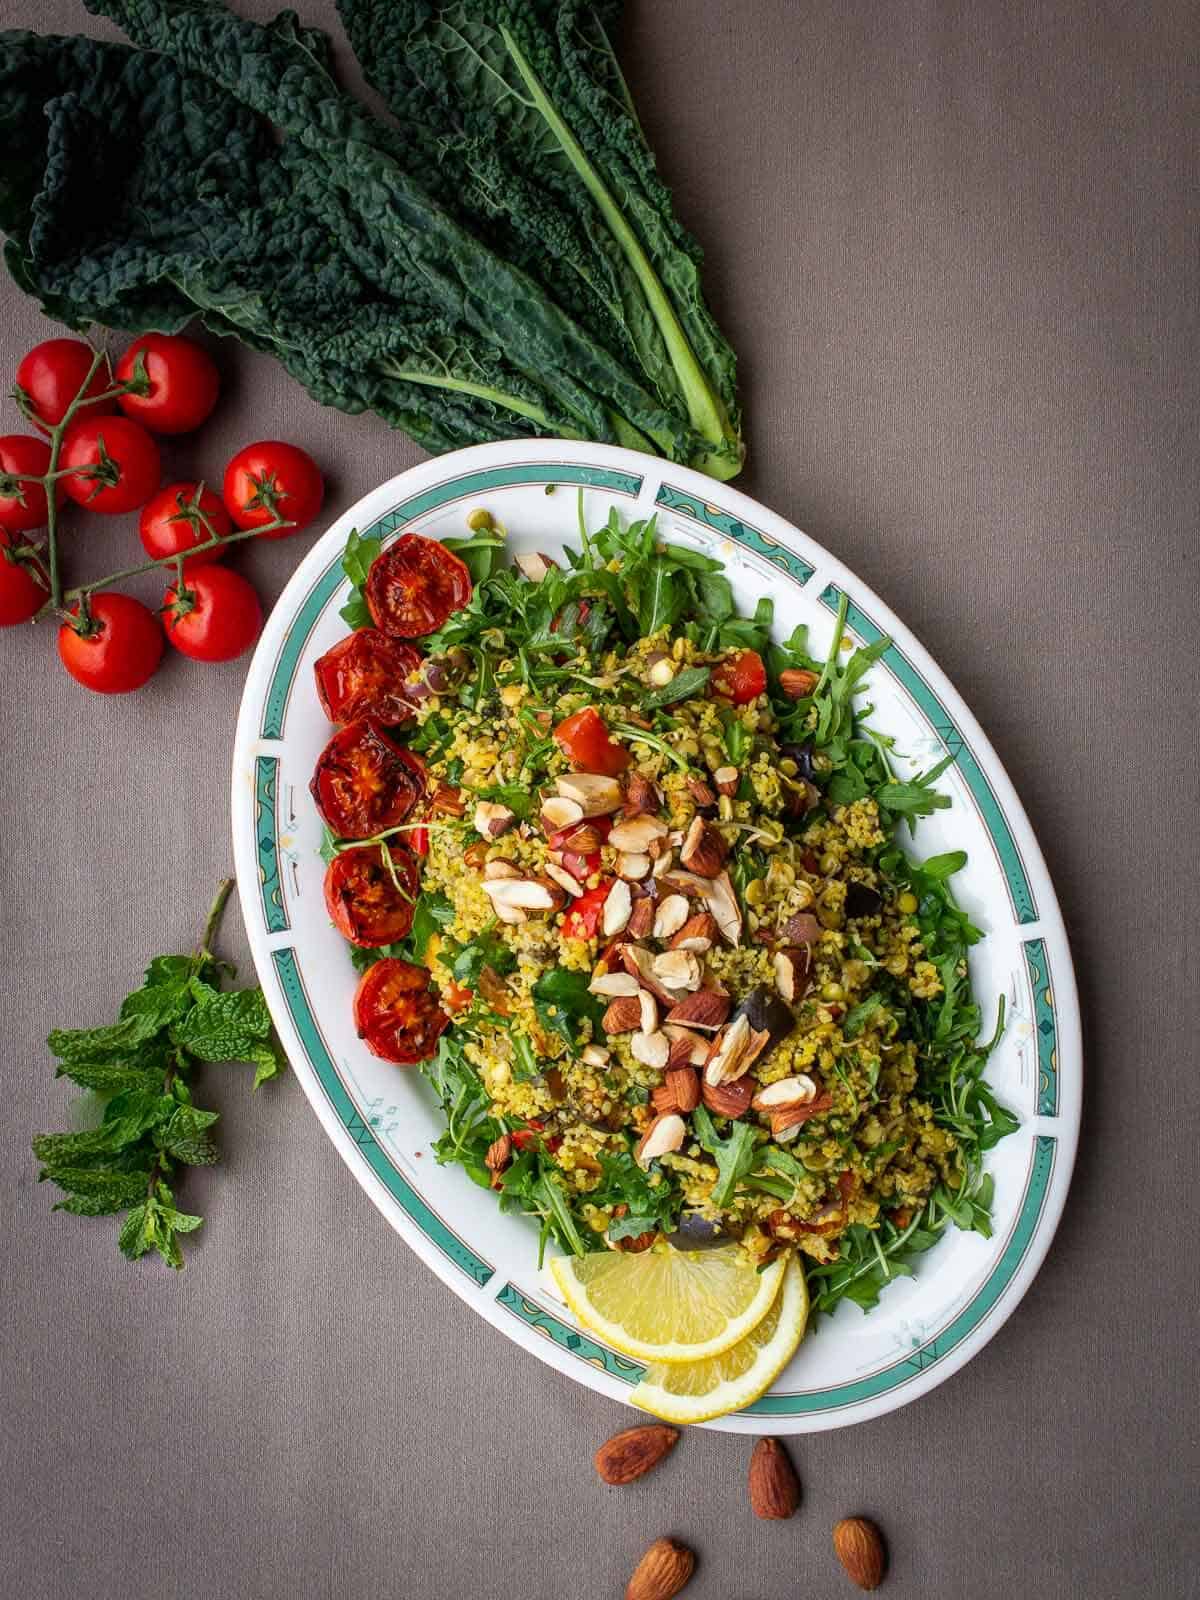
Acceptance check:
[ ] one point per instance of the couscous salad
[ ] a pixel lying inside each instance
(622, 874)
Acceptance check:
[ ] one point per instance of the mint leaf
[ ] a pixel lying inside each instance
(110, 1077)
(185, 1138)
(98, 1044)
(269, 1061)
(225, 1027)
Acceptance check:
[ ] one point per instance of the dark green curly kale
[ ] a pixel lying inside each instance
(227, 176)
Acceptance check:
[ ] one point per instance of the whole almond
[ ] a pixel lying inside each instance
(633, 1452)
(796, 683)
(641, 796)
(728, 1099)
(774, 1486)
(684, 1084)
(703, 849)
(859, 1547)
(793, 1116)
(662, 1571)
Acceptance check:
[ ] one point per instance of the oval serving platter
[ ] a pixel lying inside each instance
(383, 1120)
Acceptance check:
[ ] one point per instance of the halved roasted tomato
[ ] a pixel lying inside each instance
(364, 675)
(369, 902)
(364, 782)
(396, 1012)
(414, 585)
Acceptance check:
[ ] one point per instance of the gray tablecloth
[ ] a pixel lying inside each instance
(955, 245)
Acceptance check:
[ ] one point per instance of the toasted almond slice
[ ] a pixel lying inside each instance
(534, 564)
(640, 962)
(695, 1044)
(633, 867)
(560, 812)
(623, 1015)
(788, 1092)
(523, 894)
(649, 1007)
(671, 915)
(563, 879)
(664, 1135)
(500, 868)
(492, 819)
(651, 1049)
(510, 914)
(595, 1055)
(723, 904)
(705, 1009)
(728, 1049)
(616, 909)
(596, 795)
(663, 863)
(678, 969)
(614, 984)
(791, 972)
(635, 835)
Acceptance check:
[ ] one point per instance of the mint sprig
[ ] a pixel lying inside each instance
(140, 1066)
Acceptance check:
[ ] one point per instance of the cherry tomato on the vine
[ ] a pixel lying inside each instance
(121, 462)
(583, 739)
(741, 677)
(271, 479)
(214, 617)
(183, 383)
(23, 505)
(116, 647)
(24, 588)
(396, 1012)
(50, 377)
(172, 522)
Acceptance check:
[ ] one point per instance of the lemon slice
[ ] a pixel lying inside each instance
(667, 1304)
(697, 1391)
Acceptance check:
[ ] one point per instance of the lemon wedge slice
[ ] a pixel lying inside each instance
(697, 1391)
(668, 1305)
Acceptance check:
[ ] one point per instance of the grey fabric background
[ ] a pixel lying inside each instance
(956, 246)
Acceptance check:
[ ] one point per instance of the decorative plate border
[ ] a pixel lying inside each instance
(1046, 1152)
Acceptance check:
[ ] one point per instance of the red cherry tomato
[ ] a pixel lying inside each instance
(455, 998)
(364, 676)
(183, 383)
(583, 739)
(396, 1012)
(580, 866)
(366, 903)
(215, 617)
(419, 840)
(415, 585)
(171, 523)
(23, 505)
(741, 677)
(271, 479)
(120, 648)
(123, 467)
(50, 376)
(583, 919)
(24, 587)
(364, 782)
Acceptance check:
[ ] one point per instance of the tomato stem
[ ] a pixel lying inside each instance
(166, 561)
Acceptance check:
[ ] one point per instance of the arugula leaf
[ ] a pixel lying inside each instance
(691, 681)
(488, 949)
(562, 1001)
(857, 1016)
(734, 1156)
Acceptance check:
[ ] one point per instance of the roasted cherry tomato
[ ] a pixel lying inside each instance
(171, 523)
(741, 677)
(364, 676)
(583, 739)
(455, 997)
(364, 783)
(271, 479)
(116, 649)
(183, 383)
(24, 587)
(368, 903)
(582, 921)
(23, 505)
(121, 462)
(415, 585)
(419, 840)
(216, 616)
(396, 1012)
(50, 377)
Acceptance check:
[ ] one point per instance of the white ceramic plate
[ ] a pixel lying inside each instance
(383, 1119)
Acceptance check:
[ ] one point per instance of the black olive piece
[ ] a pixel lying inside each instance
(862, 900)
(766, 1013)
(802, 755)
